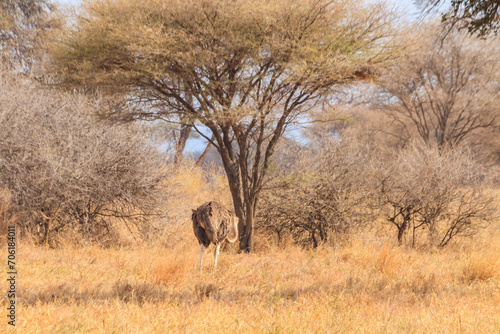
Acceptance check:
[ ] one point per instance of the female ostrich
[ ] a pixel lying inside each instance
(213, 223)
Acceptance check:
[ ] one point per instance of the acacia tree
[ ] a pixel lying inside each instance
(251, 68)
(445, 91)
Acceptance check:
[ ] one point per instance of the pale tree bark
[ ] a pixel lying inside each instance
(204, 154)
(185, 129)
(184, 133)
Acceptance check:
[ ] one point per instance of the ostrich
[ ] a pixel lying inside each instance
(213, 223)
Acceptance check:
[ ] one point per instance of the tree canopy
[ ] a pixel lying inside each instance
(444, 91)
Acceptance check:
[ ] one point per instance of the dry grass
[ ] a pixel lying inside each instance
(362, 287)
(6, 217)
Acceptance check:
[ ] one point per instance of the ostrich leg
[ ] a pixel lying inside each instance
(202, 250)
(216, 255)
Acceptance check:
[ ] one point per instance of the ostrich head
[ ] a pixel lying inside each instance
(233, 234)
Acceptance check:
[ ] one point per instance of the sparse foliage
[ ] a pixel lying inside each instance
(479, 17)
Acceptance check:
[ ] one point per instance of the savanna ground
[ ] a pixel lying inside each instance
(367, 284)
(361, 287)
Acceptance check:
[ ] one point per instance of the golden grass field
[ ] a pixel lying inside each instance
(362, 287)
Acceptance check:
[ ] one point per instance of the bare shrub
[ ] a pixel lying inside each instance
(65, 171)
(321, 195)
(444, 192)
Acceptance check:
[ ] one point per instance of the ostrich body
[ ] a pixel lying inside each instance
(213, 223)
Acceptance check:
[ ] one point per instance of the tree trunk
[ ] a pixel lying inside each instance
(247, 242)
(47, 230)
(233, 179)
(204, 154)
(404, 225)
(244, 209)
(184, 132)
(244, 199)
(181, 141)
(401, 231)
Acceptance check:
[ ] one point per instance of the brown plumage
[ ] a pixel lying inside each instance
(213, 223)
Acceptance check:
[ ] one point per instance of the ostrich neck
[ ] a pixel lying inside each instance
(233, 234)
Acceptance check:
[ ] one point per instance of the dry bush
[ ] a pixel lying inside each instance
(321, 194)
(444, 192)
(431, 196)
(65, 171)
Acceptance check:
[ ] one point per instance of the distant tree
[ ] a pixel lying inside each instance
(444, 91)
(251, 68)
(480, 17)
(22, 25)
